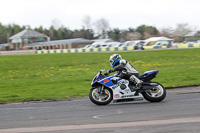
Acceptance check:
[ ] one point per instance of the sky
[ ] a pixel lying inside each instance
(120, 14)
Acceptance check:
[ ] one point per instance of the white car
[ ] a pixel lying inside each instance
(190, 42)
(134, 43)
(157, 44)
(129, 43)
(87, 46)
(114, 44)
(98, 45)
(175, 45)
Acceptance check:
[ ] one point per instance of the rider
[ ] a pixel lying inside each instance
(125, 68)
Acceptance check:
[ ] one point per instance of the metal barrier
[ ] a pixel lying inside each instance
(195, 45)
(87, 50)
(110, 49)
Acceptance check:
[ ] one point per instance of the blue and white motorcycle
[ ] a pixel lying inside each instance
(107, 88)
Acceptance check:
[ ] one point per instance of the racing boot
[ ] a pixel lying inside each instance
(138, 82)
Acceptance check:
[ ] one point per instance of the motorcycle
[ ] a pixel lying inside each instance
(107, 88)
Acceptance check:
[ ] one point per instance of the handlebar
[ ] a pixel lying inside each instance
(106, 73)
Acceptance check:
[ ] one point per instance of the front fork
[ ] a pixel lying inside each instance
(101, 90)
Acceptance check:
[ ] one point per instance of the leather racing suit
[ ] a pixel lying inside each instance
(127, 72)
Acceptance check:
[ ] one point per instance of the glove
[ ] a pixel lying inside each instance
(110, 71)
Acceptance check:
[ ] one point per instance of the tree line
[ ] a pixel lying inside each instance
(101, 29)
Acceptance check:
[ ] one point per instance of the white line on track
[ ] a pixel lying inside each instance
(98, 126)
(24, 108)
(101, 116)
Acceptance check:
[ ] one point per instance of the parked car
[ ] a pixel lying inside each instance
(159, 44)
(129, 43)
(98, 45)
(137, 44)
(174, 45)
(134, 43)
(87, 46)
(114, 44)
(190, 42)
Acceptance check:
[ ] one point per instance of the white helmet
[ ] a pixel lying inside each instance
(114, 59)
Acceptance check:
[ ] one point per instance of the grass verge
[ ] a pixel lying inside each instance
(61, 76)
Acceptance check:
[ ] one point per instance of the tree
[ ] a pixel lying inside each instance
(83, 33)
(181, 30)
(166, 32)
(53, 33)
(88, 33)
(67, 33)
(60, 33)
(102, 26)
(114, 34)
(3, 34)
(197, 34)
(147, 31)
(8, 30)
(135, 36)
(131, 29)
(17, 28)
(87, 24)
(129, 36)
(40, 29)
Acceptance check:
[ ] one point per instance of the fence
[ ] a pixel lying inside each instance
(89, 50)
(111, 49)
(188, 45)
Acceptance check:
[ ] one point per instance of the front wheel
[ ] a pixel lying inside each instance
(100, 99)
(157, 94)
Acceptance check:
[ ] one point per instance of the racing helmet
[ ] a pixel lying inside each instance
(114, 59)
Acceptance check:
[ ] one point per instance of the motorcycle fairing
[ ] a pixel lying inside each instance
(107, 81)
(98, 77)
(119, 94)
(148, 75)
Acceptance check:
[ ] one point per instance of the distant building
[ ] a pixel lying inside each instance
(27, 36)
(4, 46)
(30, 39)
(60, 44)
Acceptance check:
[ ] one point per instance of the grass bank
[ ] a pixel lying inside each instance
(60, 76)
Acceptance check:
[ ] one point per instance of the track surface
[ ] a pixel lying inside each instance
(178, 113)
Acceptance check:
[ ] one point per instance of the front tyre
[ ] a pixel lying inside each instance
(157, 94)
(100, 99)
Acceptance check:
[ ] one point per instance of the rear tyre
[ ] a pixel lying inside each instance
(100, 99)
(157, 94)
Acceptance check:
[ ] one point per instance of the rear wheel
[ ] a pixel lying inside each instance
(100, 99)
(157, 94)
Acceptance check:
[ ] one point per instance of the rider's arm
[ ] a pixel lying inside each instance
(120, 67)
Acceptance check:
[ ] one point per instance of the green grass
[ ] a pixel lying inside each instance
(60, 76)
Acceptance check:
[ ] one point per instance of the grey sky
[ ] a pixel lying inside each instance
(120, 13)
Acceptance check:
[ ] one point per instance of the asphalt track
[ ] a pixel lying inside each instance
(178, 113)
